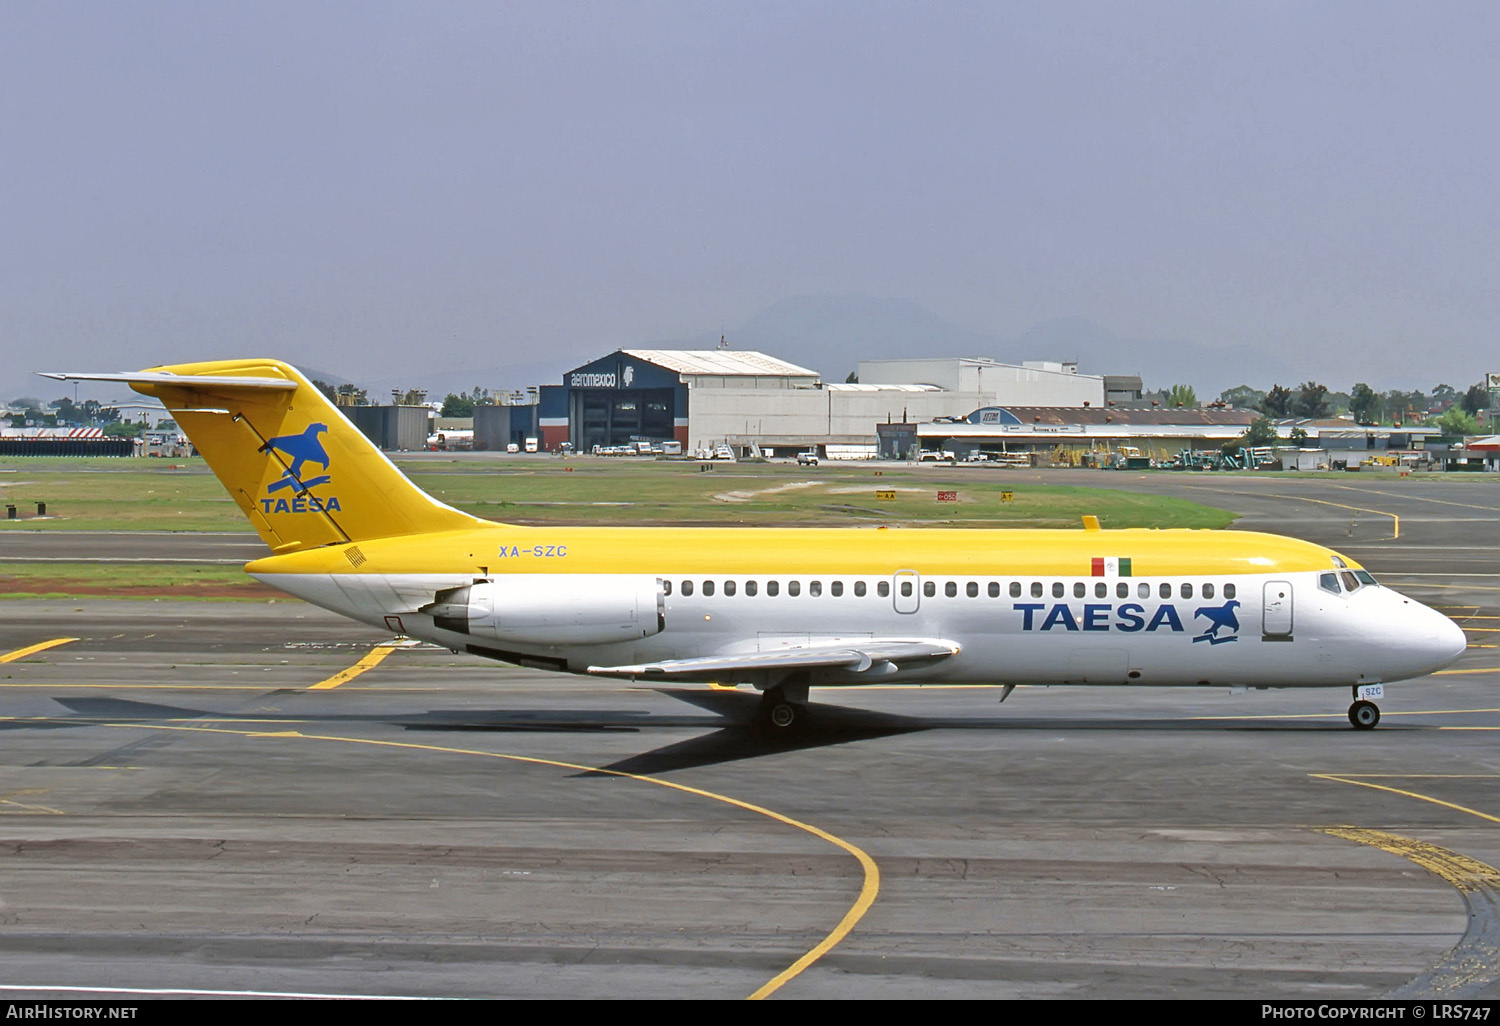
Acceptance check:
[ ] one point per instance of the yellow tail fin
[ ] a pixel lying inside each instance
(302, 473)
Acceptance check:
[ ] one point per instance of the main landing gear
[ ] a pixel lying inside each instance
(1364, 715)
(783, 708)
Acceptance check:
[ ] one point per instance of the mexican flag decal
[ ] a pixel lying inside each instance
(1111, 566)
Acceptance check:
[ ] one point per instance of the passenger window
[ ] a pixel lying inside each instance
(794, 588)
(728, 587)
(995, 589)
(1057, 589)
(859, 589)
(814, 589)
(750, 588)
(837, 588)
(1229, 591)
(929, 589)
(1101, 590)
(1078, 589)
(971, 589)
(1143, 590)
(1351, 583)
(687, 588)
(1122, 590)
(1015, 589)
(1208, 591)
(1165, 591)
(708, 587)
(883, 589)
(1036, 589)
(951, 589)
(666, 587)
(905, 589)
(1187, 590)
(1329, 582)
(772, 588)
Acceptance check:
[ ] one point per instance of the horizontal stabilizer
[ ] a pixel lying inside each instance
(858, 658)
(184, 380)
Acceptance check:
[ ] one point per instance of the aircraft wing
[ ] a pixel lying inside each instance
(874, 656)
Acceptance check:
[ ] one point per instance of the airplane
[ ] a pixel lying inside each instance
(785, 609)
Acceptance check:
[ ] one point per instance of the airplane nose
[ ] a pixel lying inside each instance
(1451, 642)
(1422, 640)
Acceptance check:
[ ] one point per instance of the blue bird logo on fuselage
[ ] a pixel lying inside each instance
(1219, 618)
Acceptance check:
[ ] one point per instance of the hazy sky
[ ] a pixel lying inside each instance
(371, 187)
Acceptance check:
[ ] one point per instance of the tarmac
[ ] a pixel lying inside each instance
(203, 798)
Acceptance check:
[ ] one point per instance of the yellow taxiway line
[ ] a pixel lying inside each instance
(1357, 782)
(1395, 520)
(867, 892)
(40, 646)
(1461, 871)
(372, 659)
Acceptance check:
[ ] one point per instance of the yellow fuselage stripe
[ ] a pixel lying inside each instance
(504, 549)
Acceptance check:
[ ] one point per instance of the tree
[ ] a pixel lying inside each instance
(350, 395)
(1475, 399)
(1311, 400)
(66, 412)
(1444, 395)
(327, 389)
(1297, 437)
(1261, 432)
(1277, 403)
(1365, 404)
(1243, 396)
(1183, 396)
(1458, 422)
(455, 405)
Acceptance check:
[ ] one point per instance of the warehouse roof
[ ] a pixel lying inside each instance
(726, 362)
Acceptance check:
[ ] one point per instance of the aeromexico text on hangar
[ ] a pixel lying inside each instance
(595, 379)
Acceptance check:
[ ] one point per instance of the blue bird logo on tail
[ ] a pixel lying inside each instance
(300, 448)
(1219, 618)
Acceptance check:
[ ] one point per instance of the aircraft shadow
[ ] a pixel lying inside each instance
(743, 737)
(739, 734)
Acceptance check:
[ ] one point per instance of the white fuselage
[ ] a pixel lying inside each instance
(1279, 630)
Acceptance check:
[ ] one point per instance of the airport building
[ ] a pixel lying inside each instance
(1083, 434)
(751, 401)
(1065, 434)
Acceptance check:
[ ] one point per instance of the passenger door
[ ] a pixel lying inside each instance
(1276, 611)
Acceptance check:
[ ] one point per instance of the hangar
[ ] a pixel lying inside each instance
(635, 395)
(751, 401)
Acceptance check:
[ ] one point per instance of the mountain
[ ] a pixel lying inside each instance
(831, 334)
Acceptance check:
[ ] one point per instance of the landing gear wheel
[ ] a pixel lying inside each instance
(1364, 715)
(780, 716)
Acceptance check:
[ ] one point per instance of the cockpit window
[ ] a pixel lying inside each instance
(1365, 577)
(1329, 582)
(1350, 582)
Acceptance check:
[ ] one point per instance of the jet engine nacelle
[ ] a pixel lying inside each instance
(580, 609)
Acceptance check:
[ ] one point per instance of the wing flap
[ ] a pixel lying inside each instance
(858, 658)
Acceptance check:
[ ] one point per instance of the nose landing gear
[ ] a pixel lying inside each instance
(1364, 715)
